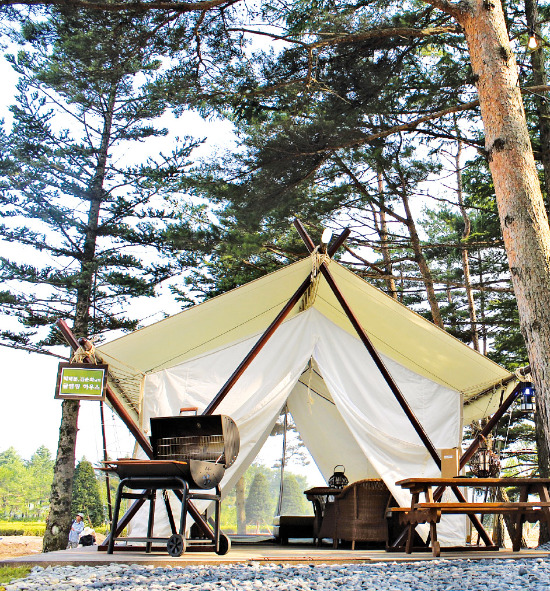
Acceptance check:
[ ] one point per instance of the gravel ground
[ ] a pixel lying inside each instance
(444, 575)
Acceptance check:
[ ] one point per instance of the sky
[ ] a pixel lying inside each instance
(30, 415)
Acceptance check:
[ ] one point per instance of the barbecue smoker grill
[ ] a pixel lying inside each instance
(189, 453)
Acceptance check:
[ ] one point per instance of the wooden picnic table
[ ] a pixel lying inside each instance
(430, 511)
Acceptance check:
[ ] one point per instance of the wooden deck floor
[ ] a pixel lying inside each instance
(244, 553)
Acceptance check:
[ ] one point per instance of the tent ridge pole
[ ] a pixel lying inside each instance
(111, 397)
(381, 367)
(366, 341)
(257, 347)
(491, 424)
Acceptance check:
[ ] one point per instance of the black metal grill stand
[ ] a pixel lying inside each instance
(177, 543)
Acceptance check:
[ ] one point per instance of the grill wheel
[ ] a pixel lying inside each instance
(176, 545)
(225, 545)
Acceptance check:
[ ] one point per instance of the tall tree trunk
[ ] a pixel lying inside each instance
(240, 506)
(59, 518)
(519, 199)
(464, 251)
(482, 303)
(385, 251)
(540, 78)
(543, 111)
(421, 260)
(543, 460)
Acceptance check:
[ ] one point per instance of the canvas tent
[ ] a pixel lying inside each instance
(315, 363)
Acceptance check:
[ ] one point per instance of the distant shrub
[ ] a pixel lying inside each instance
(16, 528)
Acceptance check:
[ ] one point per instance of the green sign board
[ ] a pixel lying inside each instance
(81, 381)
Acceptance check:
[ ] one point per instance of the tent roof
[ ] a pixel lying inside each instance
(395, 331)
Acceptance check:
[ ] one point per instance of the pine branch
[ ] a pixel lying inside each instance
(412, 125)
(452, 8)
(34, 350)
(121, 5)
(382, 33)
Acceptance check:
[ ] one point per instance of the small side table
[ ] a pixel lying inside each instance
(320, 496)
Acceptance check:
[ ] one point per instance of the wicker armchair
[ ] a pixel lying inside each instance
(358, 514)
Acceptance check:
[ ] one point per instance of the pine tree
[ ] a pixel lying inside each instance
(294, 501)
(258, 505)
(40, 472)
(88, 211)
(13, 484)
(86, 495)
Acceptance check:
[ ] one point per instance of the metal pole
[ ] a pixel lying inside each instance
(283, 457)
(105, 457)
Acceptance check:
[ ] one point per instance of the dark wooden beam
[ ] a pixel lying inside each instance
(225, 389)
(385, 373)
(113, 400)
(257, 347)
(491, 424)
(310, 245)
(369, 346)
(381, 367)
(332, 249)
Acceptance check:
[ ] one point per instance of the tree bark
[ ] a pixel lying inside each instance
(543, 113)
(543, 460)
(465, 254)
(539, 77)
(519, 199)
(384, 250)
(59, 518)
(58, 522)
(240, 506)
(421, 260)
(482, 319)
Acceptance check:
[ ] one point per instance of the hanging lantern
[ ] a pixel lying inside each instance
(485, 463)
(532, 43)
(338, 479)
(527, 402)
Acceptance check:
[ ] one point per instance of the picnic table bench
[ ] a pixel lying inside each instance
(430, 511)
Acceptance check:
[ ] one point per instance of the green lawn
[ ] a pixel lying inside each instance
(8, 573)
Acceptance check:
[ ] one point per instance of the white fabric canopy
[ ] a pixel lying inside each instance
(314, 362)
(356, 421)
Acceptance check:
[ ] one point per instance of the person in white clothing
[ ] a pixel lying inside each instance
(76, 530)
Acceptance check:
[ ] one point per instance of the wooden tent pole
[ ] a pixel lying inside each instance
(111, 397)
(136, 432)
(372, 351)
(491, 424)
(257, 347)
(387, 376)
(382, 368)
(331, 251)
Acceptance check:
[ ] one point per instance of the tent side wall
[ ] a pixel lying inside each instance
(365, 405)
